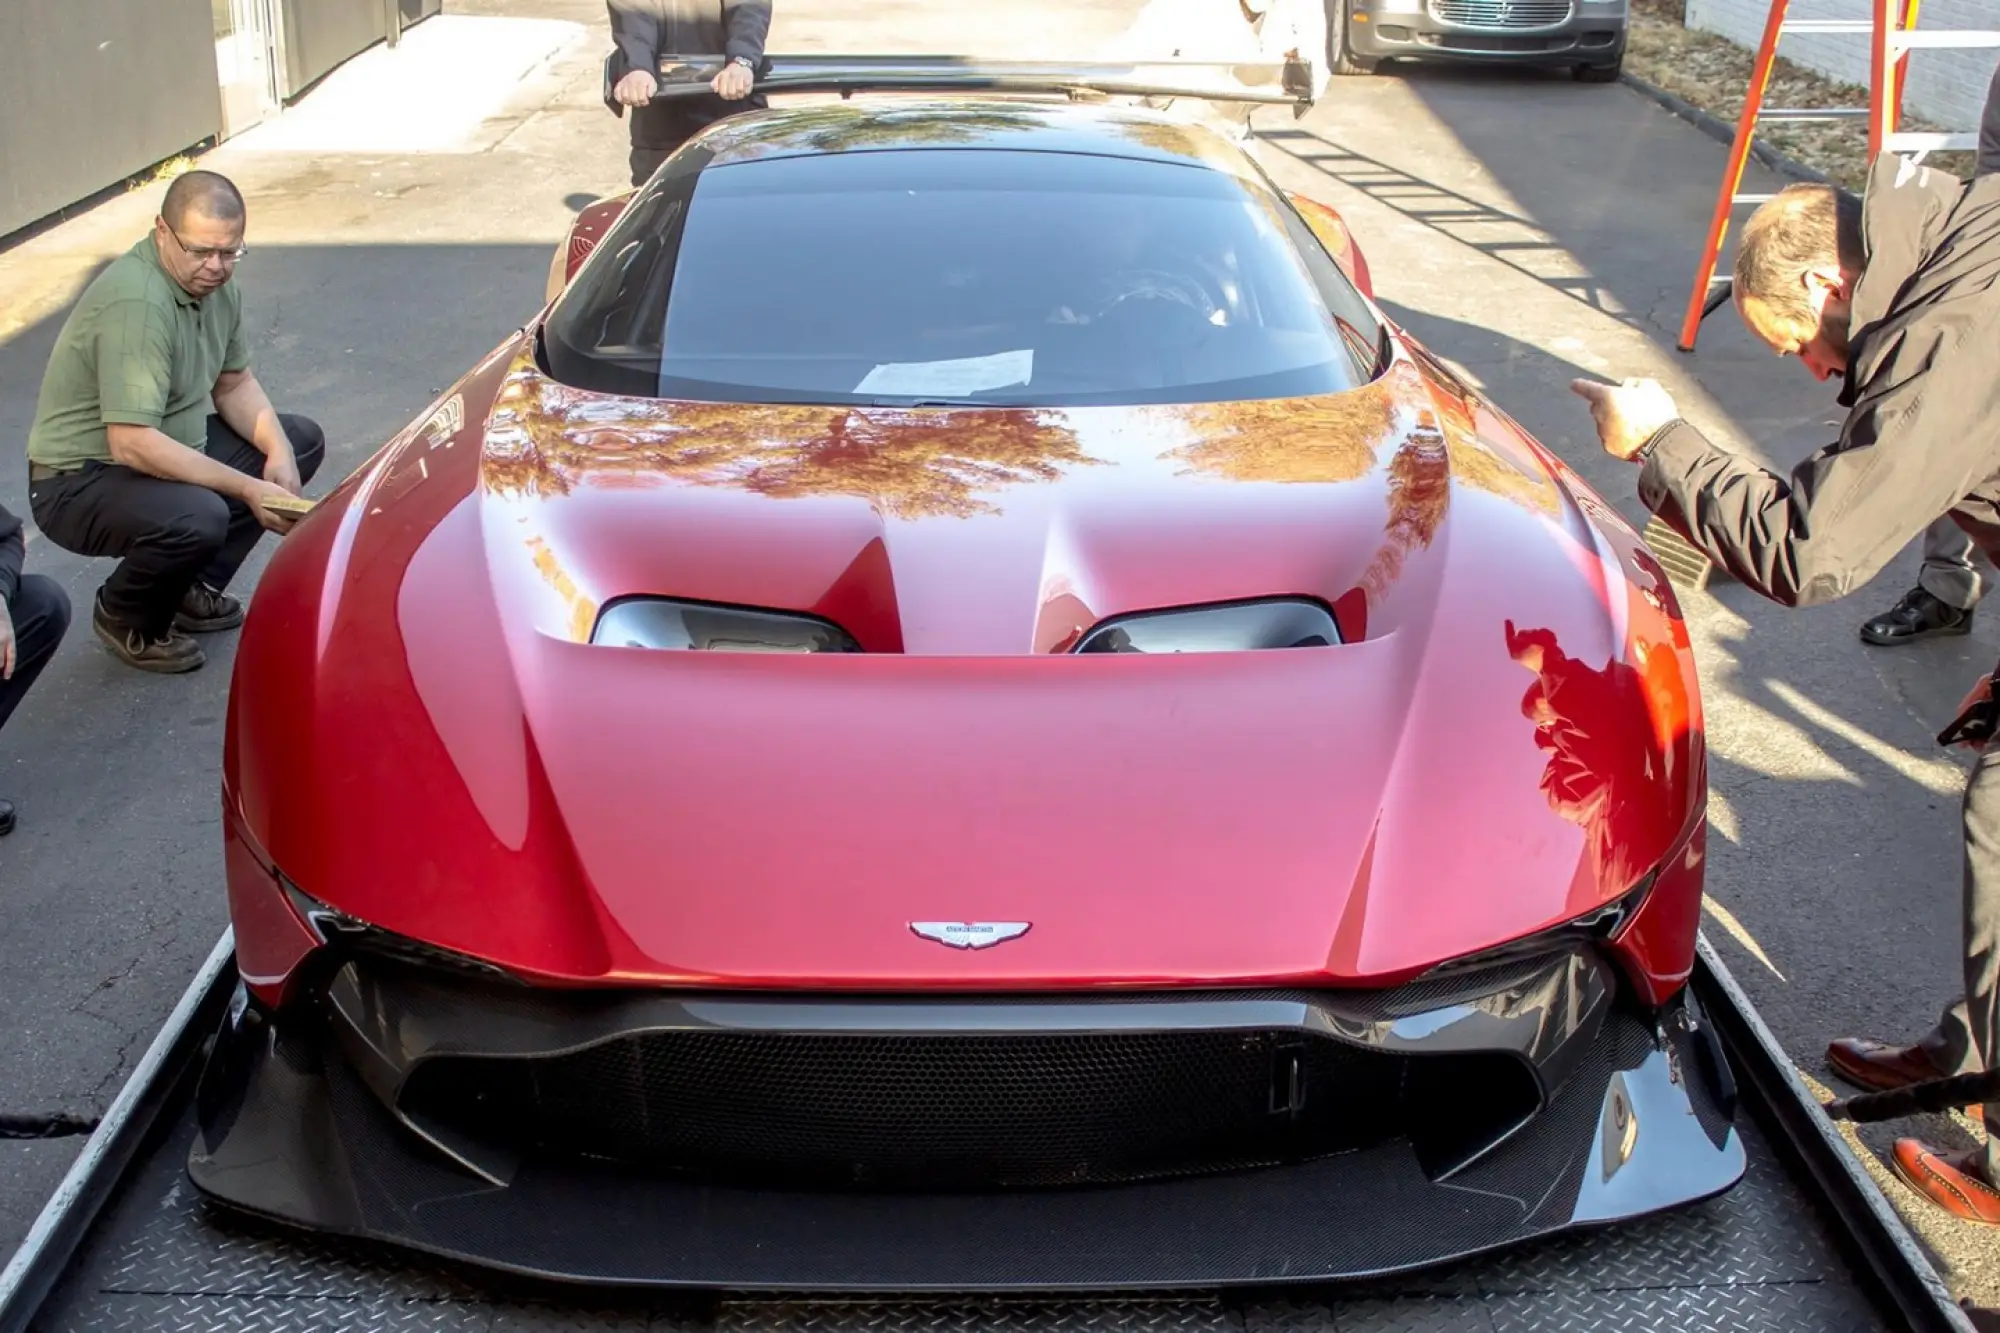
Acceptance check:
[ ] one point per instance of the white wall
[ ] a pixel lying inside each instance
(1947, 88)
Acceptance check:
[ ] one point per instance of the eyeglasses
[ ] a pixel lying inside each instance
(205, 253)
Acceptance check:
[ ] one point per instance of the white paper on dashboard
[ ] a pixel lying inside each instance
(950, 379)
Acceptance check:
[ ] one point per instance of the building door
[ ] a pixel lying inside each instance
(246, 62)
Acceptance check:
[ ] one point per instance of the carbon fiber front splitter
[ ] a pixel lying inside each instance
(288, 1132)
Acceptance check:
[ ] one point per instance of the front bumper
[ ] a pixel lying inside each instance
(985, 1143)
(1568, 32)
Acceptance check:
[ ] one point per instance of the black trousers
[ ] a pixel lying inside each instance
(165, 534)
(1966, 1039)
(660, 127)
(40, 612)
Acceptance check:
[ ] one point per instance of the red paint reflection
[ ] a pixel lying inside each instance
(1614, 768)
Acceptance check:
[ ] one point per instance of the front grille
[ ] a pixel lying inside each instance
(902, 1111)
(1501, 13)
(1486, 43)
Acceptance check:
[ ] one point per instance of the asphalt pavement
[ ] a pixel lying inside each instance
(1526, 227)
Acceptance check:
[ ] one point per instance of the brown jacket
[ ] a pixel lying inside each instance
(1922, 434)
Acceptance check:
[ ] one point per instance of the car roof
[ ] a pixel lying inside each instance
(889, 123)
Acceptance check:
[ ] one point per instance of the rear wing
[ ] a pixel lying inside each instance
(1274, 82)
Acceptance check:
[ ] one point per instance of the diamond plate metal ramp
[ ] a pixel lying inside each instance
(1758, 1258)
(1772, 1254)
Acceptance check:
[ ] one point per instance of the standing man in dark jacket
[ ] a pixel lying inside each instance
(1899, 295)
(645, 30)
(1948, 586)
(34, 615)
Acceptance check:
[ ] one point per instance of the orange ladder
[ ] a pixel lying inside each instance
(1892, 36)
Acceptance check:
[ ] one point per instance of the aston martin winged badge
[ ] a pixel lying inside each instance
(970, 934)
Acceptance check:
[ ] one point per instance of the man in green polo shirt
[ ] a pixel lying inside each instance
(125, 457)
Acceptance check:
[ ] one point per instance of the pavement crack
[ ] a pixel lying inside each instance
(107, 1085)
(56, 1126)
(123, 974)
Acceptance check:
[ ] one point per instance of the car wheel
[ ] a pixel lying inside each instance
(1339, 58)
(1599, 73)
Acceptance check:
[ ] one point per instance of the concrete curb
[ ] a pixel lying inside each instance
(1725, 133)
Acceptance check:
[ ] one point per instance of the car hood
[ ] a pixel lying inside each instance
(1507, 739)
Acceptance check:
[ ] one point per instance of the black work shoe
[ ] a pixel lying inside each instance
(169, 656)
(205, 610)
(6, 818)
(1918, 616)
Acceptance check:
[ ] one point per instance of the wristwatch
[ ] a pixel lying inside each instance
(744, 61)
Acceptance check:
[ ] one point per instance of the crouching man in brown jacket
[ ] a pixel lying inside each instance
(1899, 297)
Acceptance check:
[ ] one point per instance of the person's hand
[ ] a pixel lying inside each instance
(281, 469)
(6, 643)
(734, 83)
(1983, 690)
(1628, 414)
(636, 88)
(255, 492)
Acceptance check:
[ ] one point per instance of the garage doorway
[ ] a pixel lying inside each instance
(246, 62)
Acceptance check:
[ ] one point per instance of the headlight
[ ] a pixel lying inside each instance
(1231, 627)
(350, 935)
(1600, 923)
(654, 622)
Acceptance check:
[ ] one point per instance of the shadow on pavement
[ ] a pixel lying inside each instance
(1593, 191)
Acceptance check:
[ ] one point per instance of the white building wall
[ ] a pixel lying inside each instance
(1947, 88)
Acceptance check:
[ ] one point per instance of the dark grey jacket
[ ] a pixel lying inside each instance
(645, 30)
(1922, 435)
(1989, 128)
(13, 546)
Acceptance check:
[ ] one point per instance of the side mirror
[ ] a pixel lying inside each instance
(1331, 229)
(558, 273)
(592, 221)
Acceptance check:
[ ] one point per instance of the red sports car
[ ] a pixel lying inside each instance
(1253, 830)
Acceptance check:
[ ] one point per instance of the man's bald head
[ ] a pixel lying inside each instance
(199, 233)
(203, 194)
(1801, 256)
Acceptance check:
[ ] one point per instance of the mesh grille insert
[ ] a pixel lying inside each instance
(1502, 13)
(903, 1111)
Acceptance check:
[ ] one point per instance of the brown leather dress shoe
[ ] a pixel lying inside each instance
(1953, 1183)
(1878, 1066)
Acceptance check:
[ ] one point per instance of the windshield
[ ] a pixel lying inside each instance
(977, 276)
